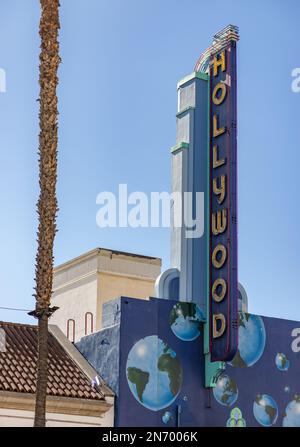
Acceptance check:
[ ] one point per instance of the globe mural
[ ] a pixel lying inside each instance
(282, 362)
(167, 417)
(225, 392)
(154, 373)
(265, 410)
(186, 320)
(252, 340)
(292, 414)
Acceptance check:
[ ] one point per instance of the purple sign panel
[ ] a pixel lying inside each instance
(223, 284)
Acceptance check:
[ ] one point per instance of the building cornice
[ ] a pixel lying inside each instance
(94, 273)
(63, 405)
(90, 275)
(107, 253)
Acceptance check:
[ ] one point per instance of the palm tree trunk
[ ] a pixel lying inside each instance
(41, 391)
(47, 203)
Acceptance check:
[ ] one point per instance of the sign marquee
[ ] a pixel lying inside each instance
(223, 283)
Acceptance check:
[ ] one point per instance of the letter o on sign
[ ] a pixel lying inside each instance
(219, 289)
(216, 97)
(219, 261)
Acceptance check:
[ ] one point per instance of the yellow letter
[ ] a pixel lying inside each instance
(219, 222)
(216, 131)
(219, 282)
(216, 162)
(217, 100)
(218, 332)
(219, 61)
(219, 191)
(219, 249)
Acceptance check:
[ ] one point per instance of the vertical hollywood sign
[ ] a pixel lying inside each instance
(223, 220)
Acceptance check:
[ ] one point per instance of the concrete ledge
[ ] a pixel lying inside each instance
(190, 77)
(179, 146)
(62, 405)
(185, 110)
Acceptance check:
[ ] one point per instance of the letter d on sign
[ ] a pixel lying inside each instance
(218, 332)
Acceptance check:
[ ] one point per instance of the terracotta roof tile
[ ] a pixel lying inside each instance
(18, 365)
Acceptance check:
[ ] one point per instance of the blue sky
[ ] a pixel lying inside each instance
(117, 101)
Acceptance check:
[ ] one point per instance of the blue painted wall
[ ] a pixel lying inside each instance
(155, 352)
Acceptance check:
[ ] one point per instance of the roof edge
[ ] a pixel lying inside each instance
(78, 358)
(108, 252)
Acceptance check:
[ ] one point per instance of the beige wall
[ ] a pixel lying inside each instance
(24, 418)
(74, 301)
(17, 410)
(112, 286)
(83, 284)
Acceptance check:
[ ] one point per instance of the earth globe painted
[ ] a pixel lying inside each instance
(282, 362)
(154, 373)
(225, 392)
(265, 410)
(252, 340)
(292, 414)
(167, 417)
(186, 321)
